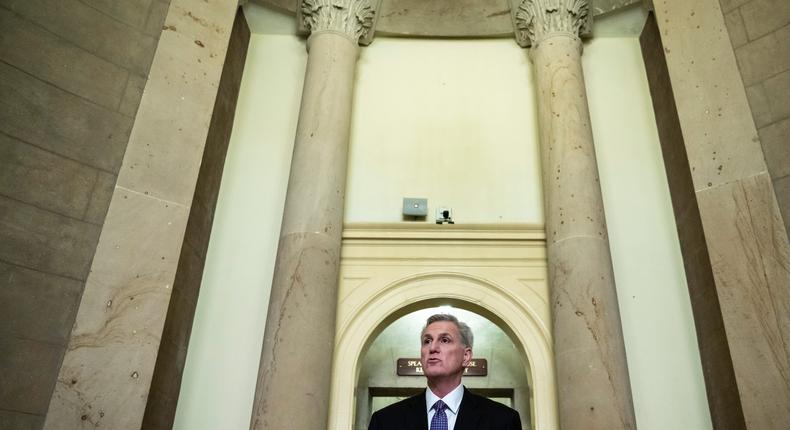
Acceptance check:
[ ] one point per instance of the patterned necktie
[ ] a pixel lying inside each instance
(439, 421)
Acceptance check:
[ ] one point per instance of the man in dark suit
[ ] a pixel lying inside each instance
(446, 404)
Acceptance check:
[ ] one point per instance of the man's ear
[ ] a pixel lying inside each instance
(467, 356)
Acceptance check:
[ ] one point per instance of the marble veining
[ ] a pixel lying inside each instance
(592, 372)
(303, 301)
(107, 370)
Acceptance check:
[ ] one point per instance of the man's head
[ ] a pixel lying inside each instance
(446, 347)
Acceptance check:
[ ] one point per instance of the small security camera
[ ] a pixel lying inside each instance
(444, 215)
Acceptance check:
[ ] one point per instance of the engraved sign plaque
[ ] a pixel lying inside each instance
(412, 367)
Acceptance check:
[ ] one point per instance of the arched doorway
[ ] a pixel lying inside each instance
(500, 371)
(502, 281)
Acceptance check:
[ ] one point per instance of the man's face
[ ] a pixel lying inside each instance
(442, 353)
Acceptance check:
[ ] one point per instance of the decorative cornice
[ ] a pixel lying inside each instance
(534, 20)
(354, 18)
(425, 231)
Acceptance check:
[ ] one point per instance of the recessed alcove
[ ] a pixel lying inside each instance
(379, 384)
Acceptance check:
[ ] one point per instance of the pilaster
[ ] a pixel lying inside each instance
(106, 374)
(732, 236)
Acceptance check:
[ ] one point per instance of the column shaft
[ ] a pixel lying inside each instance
(592, 374)
(296, 360)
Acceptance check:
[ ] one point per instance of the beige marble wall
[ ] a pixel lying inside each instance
(721, 386)
(108, 366)
(71, 78)
(746, 239)
(166, 384)
(759, 30)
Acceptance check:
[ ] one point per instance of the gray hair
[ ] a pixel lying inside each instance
(467, 338)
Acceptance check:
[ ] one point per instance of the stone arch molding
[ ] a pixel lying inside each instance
(503, 307)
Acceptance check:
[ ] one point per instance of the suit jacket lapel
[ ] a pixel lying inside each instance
(467, 412)
(418, 415)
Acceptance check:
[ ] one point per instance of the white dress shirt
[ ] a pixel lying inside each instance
(452, 400)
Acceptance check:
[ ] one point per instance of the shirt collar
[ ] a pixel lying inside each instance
(452, 399)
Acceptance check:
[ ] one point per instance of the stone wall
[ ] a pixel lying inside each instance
(166, 384)
(71, 78)
(745, 241)
(760, 33)
(722, 390)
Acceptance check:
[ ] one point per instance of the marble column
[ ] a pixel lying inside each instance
(592, 373)
(296, 360)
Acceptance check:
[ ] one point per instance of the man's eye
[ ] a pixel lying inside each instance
(445, 340)
(426, 341)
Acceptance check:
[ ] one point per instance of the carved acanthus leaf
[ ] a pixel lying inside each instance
(536, 19)
(353, 17)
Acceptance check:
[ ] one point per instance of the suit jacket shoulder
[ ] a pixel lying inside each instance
(408, 414)
(480, 413)
(475, 413)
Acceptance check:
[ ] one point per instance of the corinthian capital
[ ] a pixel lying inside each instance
(354, 18)
(533, 20)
